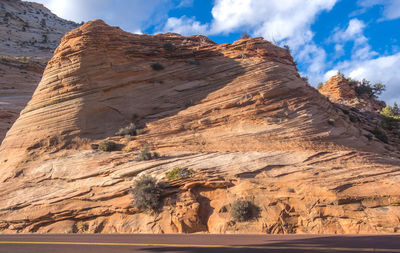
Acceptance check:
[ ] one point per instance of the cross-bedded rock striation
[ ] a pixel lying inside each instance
(238, 116)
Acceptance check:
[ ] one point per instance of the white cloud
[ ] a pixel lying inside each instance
(353, 33)
(289, 22)
(315, 58)
(273, 23)
(365, 63)
(339, 50)
(330, 73)
(353, 30)
(185, 26)
(363, 52)
(271, 19)
(285, 23)
(391, 8)
(185, 3)
(132, 15)
(382, 69)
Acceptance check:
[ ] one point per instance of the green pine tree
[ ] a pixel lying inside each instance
(396, 109)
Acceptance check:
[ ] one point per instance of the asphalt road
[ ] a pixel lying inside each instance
(107, 243)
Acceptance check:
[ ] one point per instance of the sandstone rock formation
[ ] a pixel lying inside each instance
(361, 105)
(237, 114)
(30, 29)
(337, 88)
(29, 33)
(341, 90)
(19, 77)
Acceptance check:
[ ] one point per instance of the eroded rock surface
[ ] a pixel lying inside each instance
(341, 90)
(237, 114)
(29, 33)
(30, 29)
(361, 106)
(295, 192)
(18, 79)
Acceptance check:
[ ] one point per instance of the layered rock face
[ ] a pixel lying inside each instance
(340, 90)
(101, 78)
(237, 114)
(362, 107)
(29, 33)
(18, 79)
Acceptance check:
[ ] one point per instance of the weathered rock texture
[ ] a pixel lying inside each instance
(29, 33)
(18, 79)
(237, 114)
(362, 108)
(338, 88)
(30, 29)
(341, 90)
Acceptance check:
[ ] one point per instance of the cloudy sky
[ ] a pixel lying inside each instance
(361, 38)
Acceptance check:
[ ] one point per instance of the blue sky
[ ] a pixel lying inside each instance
(361, 38)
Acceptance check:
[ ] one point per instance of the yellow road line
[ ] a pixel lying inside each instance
(206, 246)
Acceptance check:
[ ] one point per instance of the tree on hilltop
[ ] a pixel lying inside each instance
(340, 74)
(396, 109)
(378, 88)
(245, 36)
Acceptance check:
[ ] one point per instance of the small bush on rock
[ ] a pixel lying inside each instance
(107, 146)
(287, 48)
(69, 231)
(188, 103)
(245, 35)
(193, 62)
(179, 173)
(146, 193)
(353, 118)
(82, 227)
(128, 130)
(145, 154)
(389, 119)
(157, 66)
(380, 135)
(241, 210)
(140, 131)
(169, 46)
(340, 74)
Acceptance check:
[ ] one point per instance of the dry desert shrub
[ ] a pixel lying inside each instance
(146, 193)
(389, 118)
(145, 154)
(169, 46)
(241, 210)
(179, 173)
(128, 130)
(81, 227)
(380, 135)
(107, 146)
(78, 142)
(157, 66)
